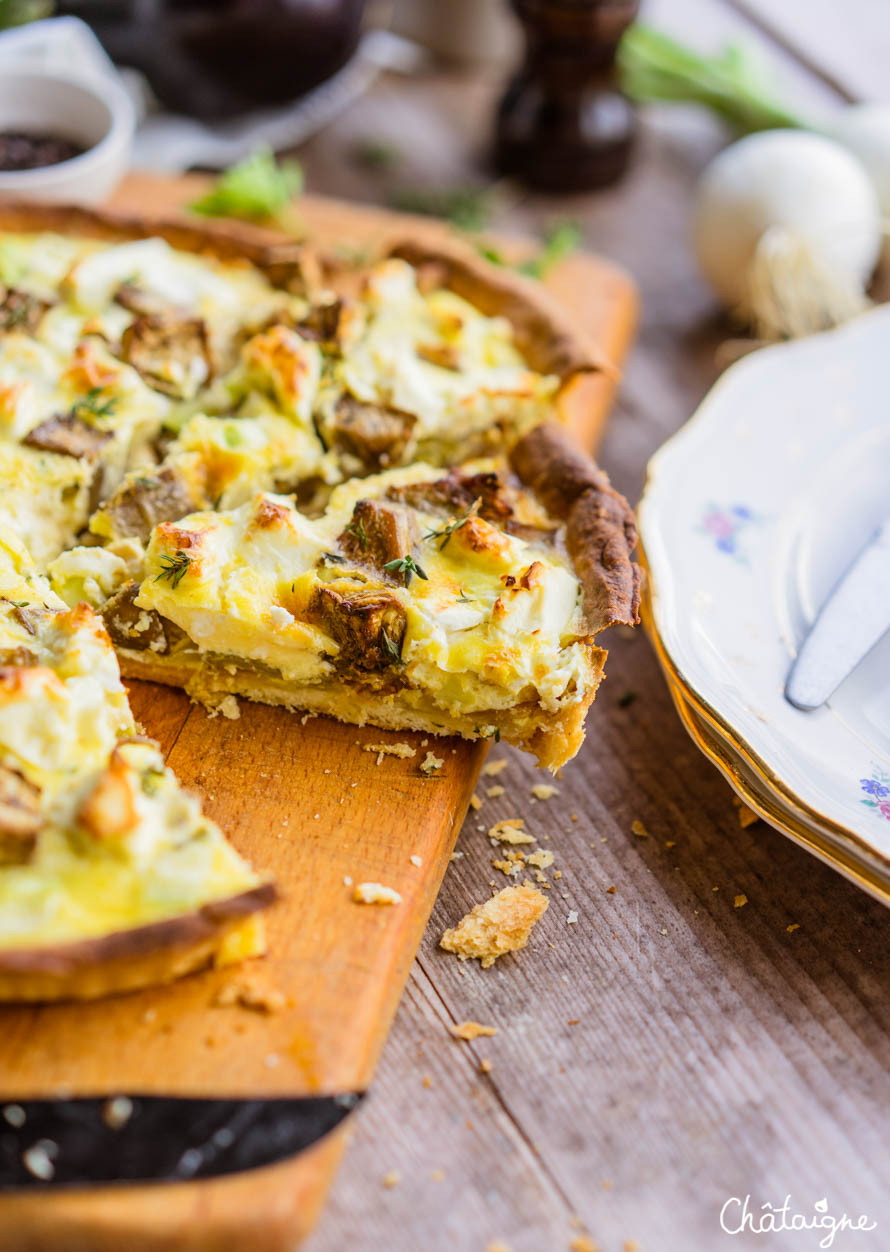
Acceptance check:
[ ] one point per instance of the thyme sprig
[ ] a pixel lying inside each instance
(406, 565)
(445, 532)
(92, 405)
(357, 529)
(391, 648)
(175, 568)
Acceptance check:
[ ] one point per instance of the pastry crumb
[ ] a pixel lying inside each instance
(427, 1081)
(230, 708)
(639, 829)
(375, 893)
(431, 763)
(794, 926)
(543, 858)
(492, 768)
(475, 802)
(510, 830)
(250, 993)
(498, 1246)
(392, 1179)
(472, 1030)
(497, 926)
(485, 1066)
(583, 1243)
(740, 901)
(572, 918)
(544, 791)
(610, 891)
(437, 1175)
(403, 750)
(494, 792)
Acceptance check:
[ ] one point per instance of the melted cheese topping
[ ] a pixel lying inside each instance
(438, 358)
(495, 621)
(64, 720)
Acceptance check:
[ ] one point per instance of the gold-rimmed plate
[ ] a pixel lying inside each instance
(749, 515)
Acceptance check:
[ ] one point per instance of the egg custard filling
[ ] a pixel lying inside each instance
(97, 840)
(438, 601)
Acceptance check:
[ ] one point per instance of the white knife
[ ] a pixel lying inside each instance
(850, 623)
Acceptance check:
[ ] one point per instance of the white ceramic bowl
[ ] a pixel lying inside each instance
(96, 114)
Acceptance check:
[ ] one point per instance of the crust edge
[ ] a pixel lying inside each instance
(545, 334)
(127, 960)
(601, 531)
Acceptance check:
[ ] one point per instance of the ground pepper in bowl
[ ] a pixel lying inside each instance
(22, 151)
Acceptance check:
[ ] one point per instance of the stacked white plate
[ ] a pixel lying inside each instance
(751, 513)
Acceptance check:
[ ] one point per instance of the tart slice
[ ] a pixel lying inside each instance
(446, 601)
(110, 876)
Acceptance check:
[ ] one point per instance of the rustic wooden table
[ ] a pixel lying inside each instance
(667, 1051)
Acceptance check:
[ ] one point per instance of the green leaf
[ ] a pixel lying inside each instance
(375, 154)
(405, 565)
(255, 188)
(175, 568)
(732, 83)
(467, 208)
(560, 240)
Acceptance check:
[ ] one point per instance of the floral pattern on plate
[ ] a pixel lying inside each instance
(725, 524)
(877, 791)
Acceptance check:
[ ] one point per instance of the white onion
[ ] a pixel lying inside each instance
(808, 187)
(864, 130)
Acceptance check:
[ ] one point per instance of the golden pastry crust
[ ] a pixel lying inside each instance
(601, 531)
(544, 333)
(144, 956)
(290, 266)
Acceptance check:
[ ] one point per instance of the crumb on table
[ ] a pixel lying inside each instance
(472, 1030)
(497, 926)
(510, 830)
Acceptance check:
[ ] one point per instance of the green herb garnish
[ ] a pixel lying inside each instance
(445, 532)
(150, 780)
(175, 568)
(405, 565)
(560, 240)
(390, 648)
(357, 530)
(467, 208)
(255, 188)
(91, 405)
(375, 154)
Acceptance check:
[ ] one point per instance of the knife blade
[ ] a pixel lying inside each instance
(850, 623)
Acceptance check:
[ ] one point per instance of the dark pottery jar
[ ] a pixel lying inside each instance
(218, 58)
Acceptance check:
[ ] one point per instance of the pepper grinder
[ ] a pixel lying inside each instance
(562, 124)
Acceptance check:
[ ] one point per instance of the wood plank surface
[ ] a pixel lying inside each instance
(727, 1056)
(303, 799)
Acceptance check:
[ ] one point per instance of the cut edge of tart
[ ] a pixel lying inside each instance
(462, 602)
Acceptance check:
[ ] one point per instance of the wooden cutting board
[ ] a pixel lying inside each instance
(307, 802)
